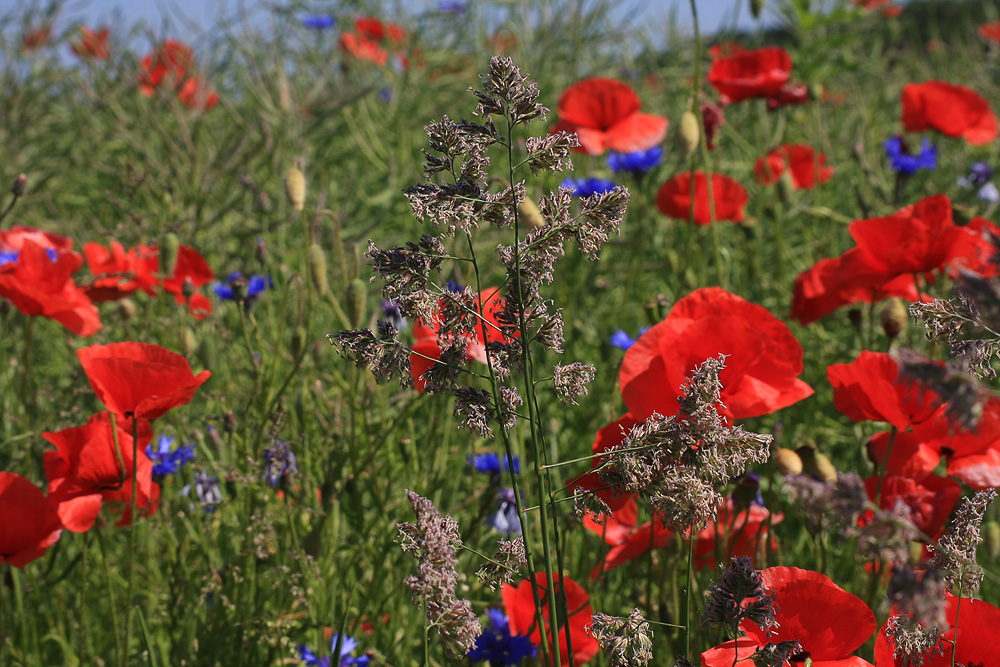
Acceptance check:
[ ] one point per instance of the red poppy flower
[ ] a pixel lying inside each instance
(191, 268)
(712, 118)
(197, 94)
(168, 62)
(757, 73)
(13, 239)
(974, 634)
(362, 48)
(801, 160)
(92, 44)
(955, 111)
(761, 370)
(85, 470)
(38, 285)
(793, 93)
(929, 500)
(634, 542)
(608, 438)
(520, 608)
(674, 198)
(869, 388)
(36, 38)
(915, 239)
(983, 258)
(374, 29)
(840, 281)
(826, 620)
(614, 528)
(29, 525)
(118, 273)
(973, 458)
(199, 306)
(990, 31)
(605, 115)
(139, 378)
(734, 532)
(427, 337)
(910, 457)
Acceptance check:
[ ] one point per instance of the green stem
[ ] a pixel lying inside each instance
(127, 634)
(83, 603)
(29, 328)
(880, 471)
(112, 603)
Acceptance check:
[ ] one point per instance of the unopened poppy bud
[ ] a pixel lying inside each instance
(317, 268)
(295, 186)
(816, 91)
(356, 298)
(688, 133)
(855, 316)
(787, 461)
(298, 341)
(657, 308)
(126, 309)
(189, 342)
(169, 249)
(187, 288)
(20, 186)
(991, 538)
(756, 7)
(893, 316)
(816, 464)
(786, 187)
(529, 213)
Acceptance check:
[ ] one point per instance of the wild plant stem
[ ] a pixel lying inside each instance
(687, 592)
(83, 602)
(107, 582)
(29, 328)
(131, 539)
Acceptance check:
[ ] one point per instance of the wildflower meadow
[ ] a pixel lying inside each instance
(368, 334)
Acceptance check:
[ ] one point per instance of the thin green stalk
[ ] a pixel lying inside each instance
(427, 643)
(687, 592)
(880, 470)
(29, 328)
(83, 603)
(127, 634)
(112, 603)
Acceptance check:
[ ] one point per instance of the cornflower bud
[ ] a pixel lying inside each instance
(20, 186)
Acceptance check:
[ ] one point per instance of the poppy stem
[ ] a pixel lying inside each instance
(83, 602)
(26, 400)
(107, 581)
(131, 540)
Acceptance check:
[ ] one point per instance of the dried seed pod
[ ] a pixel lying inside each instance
(295, 186)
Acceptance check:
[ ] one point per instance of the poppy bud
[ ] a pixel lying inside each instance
(169, 249)
(529, 213)
(756, 7)
(187, 288)
(317, 268)
(688, 133)
(189, 344)
(788, 462)
(816, 464)
(893, 316)
(786, 187)
(298, 341)
(856, 318)
(355, 298)
(126, 309)
(20, 186)
(816, 91)
(657, 309)
(991, 537)
(295, 186)
(229, 422)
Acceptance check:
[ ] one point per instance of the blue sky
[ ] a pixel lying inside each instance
(190, 18)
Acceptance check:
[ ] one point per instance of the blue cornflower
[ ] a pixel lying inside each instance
(623, 341)
(238, 288)
(637, 163)
(497, 646)
(989, 193)
(279, 463)
(452, 6)
(980, 174)
(505, 519)
(391, 314)
(455, 287)
(490, 463)
(586, 187)
(8, 256)
(206, 491)
(166, 460)
(906, 163)
(346, 659)
(385, 95)
(318, 21)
